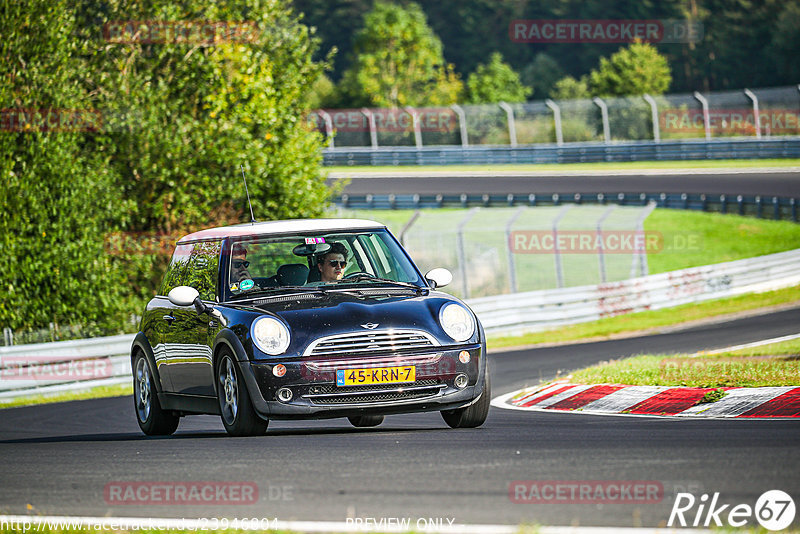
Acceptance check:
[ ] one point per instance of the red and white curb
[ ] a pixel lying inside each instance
(614, 399)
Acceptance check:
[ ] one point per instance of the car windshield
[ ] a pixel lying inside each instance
(322, 260)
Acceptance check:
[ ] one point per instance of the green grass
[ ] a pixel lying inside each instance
(682, 164)
(768, 365)
(634, 322)
(91, 393)
(693, 238)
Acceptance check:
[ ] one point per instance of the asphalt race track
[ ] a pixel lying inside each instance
(58, 458)
(744, 182)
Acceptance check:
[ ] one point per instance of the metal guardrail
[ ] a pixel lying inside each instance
(770, 207)
(72, 365)
(693, 149)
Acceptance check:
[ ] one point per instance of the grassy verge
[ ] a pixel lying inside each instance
(634, 322)
(768, 365)
(599, 166)
(91, 393)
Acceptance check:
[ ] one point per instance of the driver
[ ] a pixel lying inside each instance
(331, 265)
(239, 264)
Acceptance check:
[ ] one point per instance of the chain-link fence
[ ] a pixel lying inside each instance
(756, 113)
(496, 251)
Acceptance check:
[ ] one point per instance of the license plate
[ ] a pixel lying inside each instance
(375, 375)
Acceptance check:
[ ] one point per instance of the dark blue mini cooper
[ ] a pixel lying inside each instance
(305, 319)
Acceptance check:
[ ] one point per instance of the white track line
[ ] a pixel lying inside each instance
(138, 523)
(748, 345)
(490, 172)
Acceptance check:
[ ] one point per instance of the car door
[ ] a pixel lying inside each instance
(190, 353)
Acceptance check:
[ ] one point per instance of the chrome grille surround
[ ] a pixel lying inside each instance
(373, 361)
(371, 341)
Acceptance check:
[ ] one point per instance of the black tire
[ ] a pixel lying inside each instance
(474, 415)
(363, 421)
(237, 412)
(151, 418)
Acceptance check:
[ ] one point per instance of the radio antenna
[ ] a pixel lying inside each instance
(252, 217)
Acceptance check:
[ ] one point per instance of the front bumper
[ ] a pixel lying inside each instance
(315, 394)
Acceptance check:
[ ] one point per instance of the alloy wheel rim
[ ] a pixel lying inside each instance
(142, 393)
(230, 391)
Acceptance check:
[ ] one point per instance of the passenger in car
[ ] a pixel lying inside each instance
(332, 264)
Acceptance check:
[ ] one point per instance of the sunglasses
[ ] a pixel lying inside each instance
(241, 264)
(334, 263)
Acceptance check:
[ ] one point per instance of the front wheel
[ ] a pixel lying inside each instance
(238, 415)
(474, 415)
(151, 418)
(363, 421)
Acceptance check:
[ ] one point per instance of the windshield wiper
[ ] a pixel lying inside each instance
(279, 289)
(359, 277)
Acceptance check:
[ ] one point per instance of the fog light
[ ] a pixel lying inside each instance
(279, 370)
(284, 394)
(461, 381)
(463, 356)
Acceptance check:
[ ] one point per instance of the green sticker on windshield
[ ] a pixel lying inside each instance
(246, 284)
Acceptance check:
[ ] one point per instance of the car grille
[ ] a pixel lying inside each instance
(327, 389)
(380, 341)
(370, 394)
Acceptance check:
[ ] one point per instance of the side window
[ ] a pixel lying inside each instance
(176, 274)
(203, 271)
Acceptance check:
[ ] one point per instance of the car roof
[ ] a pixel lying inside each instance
(281, 227)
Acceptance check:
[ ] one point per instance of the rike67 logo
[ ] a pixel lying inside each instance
(774, 510)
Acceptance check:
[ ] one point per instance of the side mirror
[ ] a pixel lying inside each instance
(183, 295)
(439, 277)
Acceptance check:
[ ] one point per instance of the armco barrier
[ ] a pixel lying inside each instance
(693, 149)
(48, 363)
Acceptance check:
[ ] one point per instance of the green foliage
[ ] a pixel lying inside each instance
(178, 118)
(399, 62)
(52, 218)
(496, 82)
(541, 74)
(568, 88)
(635, 70)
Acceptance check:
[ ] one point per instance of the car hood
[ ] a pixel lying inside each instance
(314, 315)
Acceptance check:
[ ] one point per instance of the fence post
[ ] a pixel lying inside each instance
(512, 271)
(557, 118)
(512, 127)
(654, 115)
(756, 117)
(462, 259)
(706, 118)
(641, 255)
(556, 253)
(328, 125)
(8, 336)
(601, 259)
(415, 121)
(604, 114)
(408, 225)
(462, 123)
(373, 133)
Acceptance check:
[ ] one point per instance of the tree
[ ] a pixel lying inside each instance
(399, 61)
(542, 74)
(568, 88)
(57, 201)
(496, 82)
(635, 70)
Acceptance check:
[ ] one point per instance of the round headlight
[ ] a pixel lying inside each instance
(270, 335)
(457, 321)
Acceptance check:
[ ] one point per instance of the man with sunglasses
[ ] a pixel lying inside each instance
(239, 264)
(332, 264)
